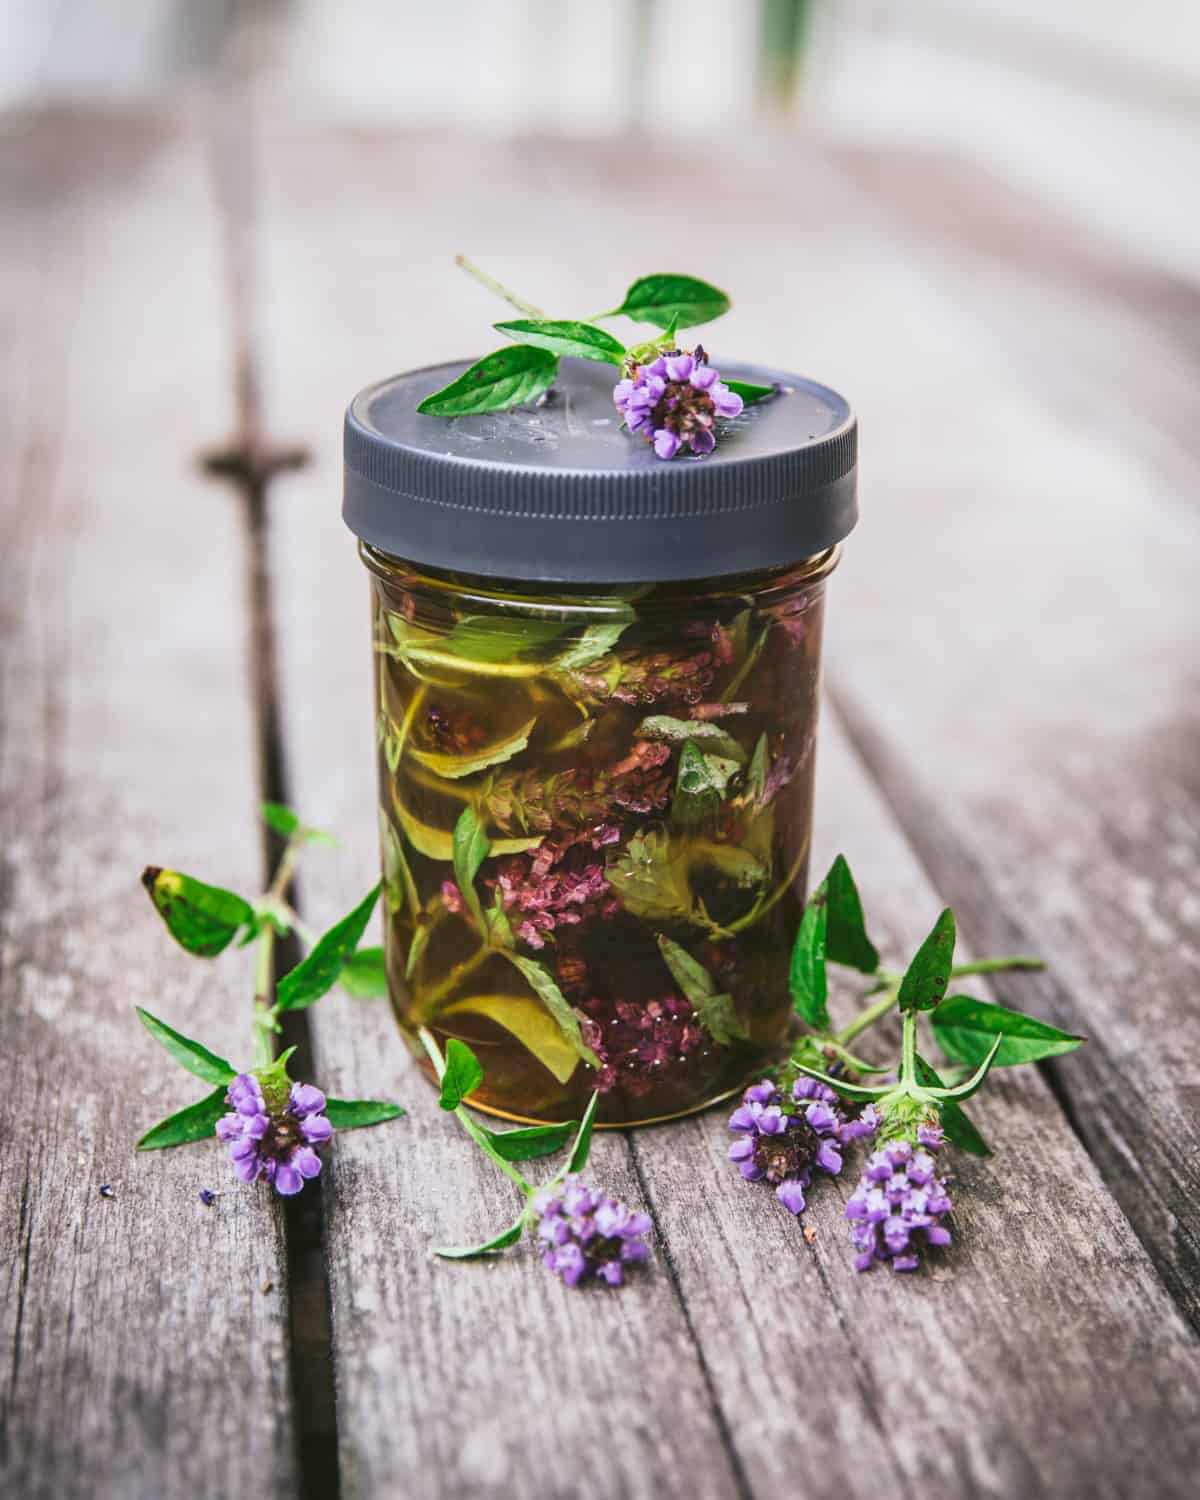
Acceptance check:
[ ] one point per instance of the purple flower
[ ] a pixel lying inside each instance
(586, 1233)
(673, 401)
(641, 1042)
(899, 1203)
(274, 1142)
(783, 1145)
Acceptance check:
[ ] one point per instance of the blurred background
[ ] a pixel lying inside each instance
(1094, 102)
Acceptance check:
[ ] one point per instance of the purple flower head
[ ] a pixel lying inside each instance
(674, 400)
(273, 1132)
(899, 1204)
(641, 1042)
(782, 1139)
(586, 1233)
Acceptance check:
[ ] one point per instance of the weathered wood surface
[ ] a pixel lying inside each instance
(983, 1378)
(141, 1353)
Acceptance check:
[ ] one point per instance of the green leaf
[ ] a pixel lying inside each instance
(650, 875)
(317, 974)
(454, 767)
(531, 1142)
(502, 1241)
(748, 392)
(756, 773)
(470, 850)
(528, 1020)
(964, 1028)
(437, 843)
(807, 978)
(926, 978)
(840, 1086)
(493, 638)
(596, 641)
(700, 785)
(717, 1012)
(288, 824)
(660, 299)
(204, 919)
(352, 1114)
(555, 1002)
(960, 1129)
(187, 1053)
(582, 1146)
(846, 940)
(975, 1082)
(509, 377)
(462, 1076)
(566, 336)
(364, 974)
(703, 732)
(195, 1123)
(499, 928)
(399, 887)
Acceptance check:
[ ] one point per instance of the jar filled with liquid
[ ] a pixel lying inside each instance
(597, 689)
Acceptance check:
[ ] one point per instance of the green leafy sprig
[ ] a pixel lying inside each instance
(526, 369)
(204, 920)
(460, 1073)
(975, 1035)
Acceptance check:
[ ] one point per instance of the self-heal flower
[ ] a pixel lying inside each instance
(674, 401)
(899, 1203)
(586, 1233)
(274, 1142)
(783, 1142)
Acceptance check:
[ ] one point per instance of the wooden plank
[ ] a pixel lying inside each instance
(980, 1379)
(142, 1353)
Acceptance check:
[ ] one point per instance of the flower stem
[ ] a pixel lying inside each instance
(998, 965)
(264, 966)
(495, 286)
(465, 1120)
(871, 1014)
(908, 1053)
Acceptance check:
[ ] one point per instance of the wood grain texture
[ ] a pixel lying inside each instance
(142, 1355)
(784, 1369)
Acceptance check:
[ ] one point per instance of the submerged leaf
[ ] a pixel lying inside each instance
(529, 1021)
(454, 767)
(703, 732)
(717, 1012)
(438, 843)
(596, 641)
(555, 1002)
(470, 850)
(700, 785)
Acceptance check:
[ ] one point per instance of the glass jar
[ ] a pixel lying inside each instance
(595, 799)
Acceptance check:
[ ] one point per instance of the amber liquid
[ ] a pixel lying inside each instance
(581, 758)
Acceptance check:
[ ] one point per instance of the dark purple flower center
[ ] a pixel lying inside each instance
(789, 1153)
(282, 1137)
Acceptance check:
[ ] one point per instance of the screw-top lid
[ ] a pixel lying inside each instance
(562, 493)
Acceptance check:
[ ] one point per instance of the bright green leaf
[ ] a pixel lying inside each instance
(926, 978)
(509, 377)
(846, 940)
(807, 978)
(566, 336)
(187, 1053)
(317, 974)
(364, 974)
(840, 1086)
(748, 392)
(975, 1082)
(532, 1141)
(582, 1146)
(462, 1076)
(965, 1027)
(280, 818)
(502, 1241)
(351, 1114)
(195, 1123)
(960, 1129)
(204, 919)
(664, 298)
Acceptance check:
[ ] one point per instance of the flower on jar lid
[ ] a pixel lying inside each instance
(272, 1132)
(588, 1234)
(674, 400)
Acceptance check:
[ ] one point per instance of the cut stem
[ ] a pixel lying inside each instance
(499, 288)
(870, 1015)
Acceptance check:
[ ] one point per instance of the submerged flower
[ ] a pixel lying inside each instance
(581, 797)
(782, 1144)
(586, 1233)
(899, 1203)
(674, 400)
(272, 1140)
(562, 884)
(640, 1041)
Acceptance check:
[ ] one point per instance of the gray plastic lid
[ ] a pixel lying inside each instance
(562, 493)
